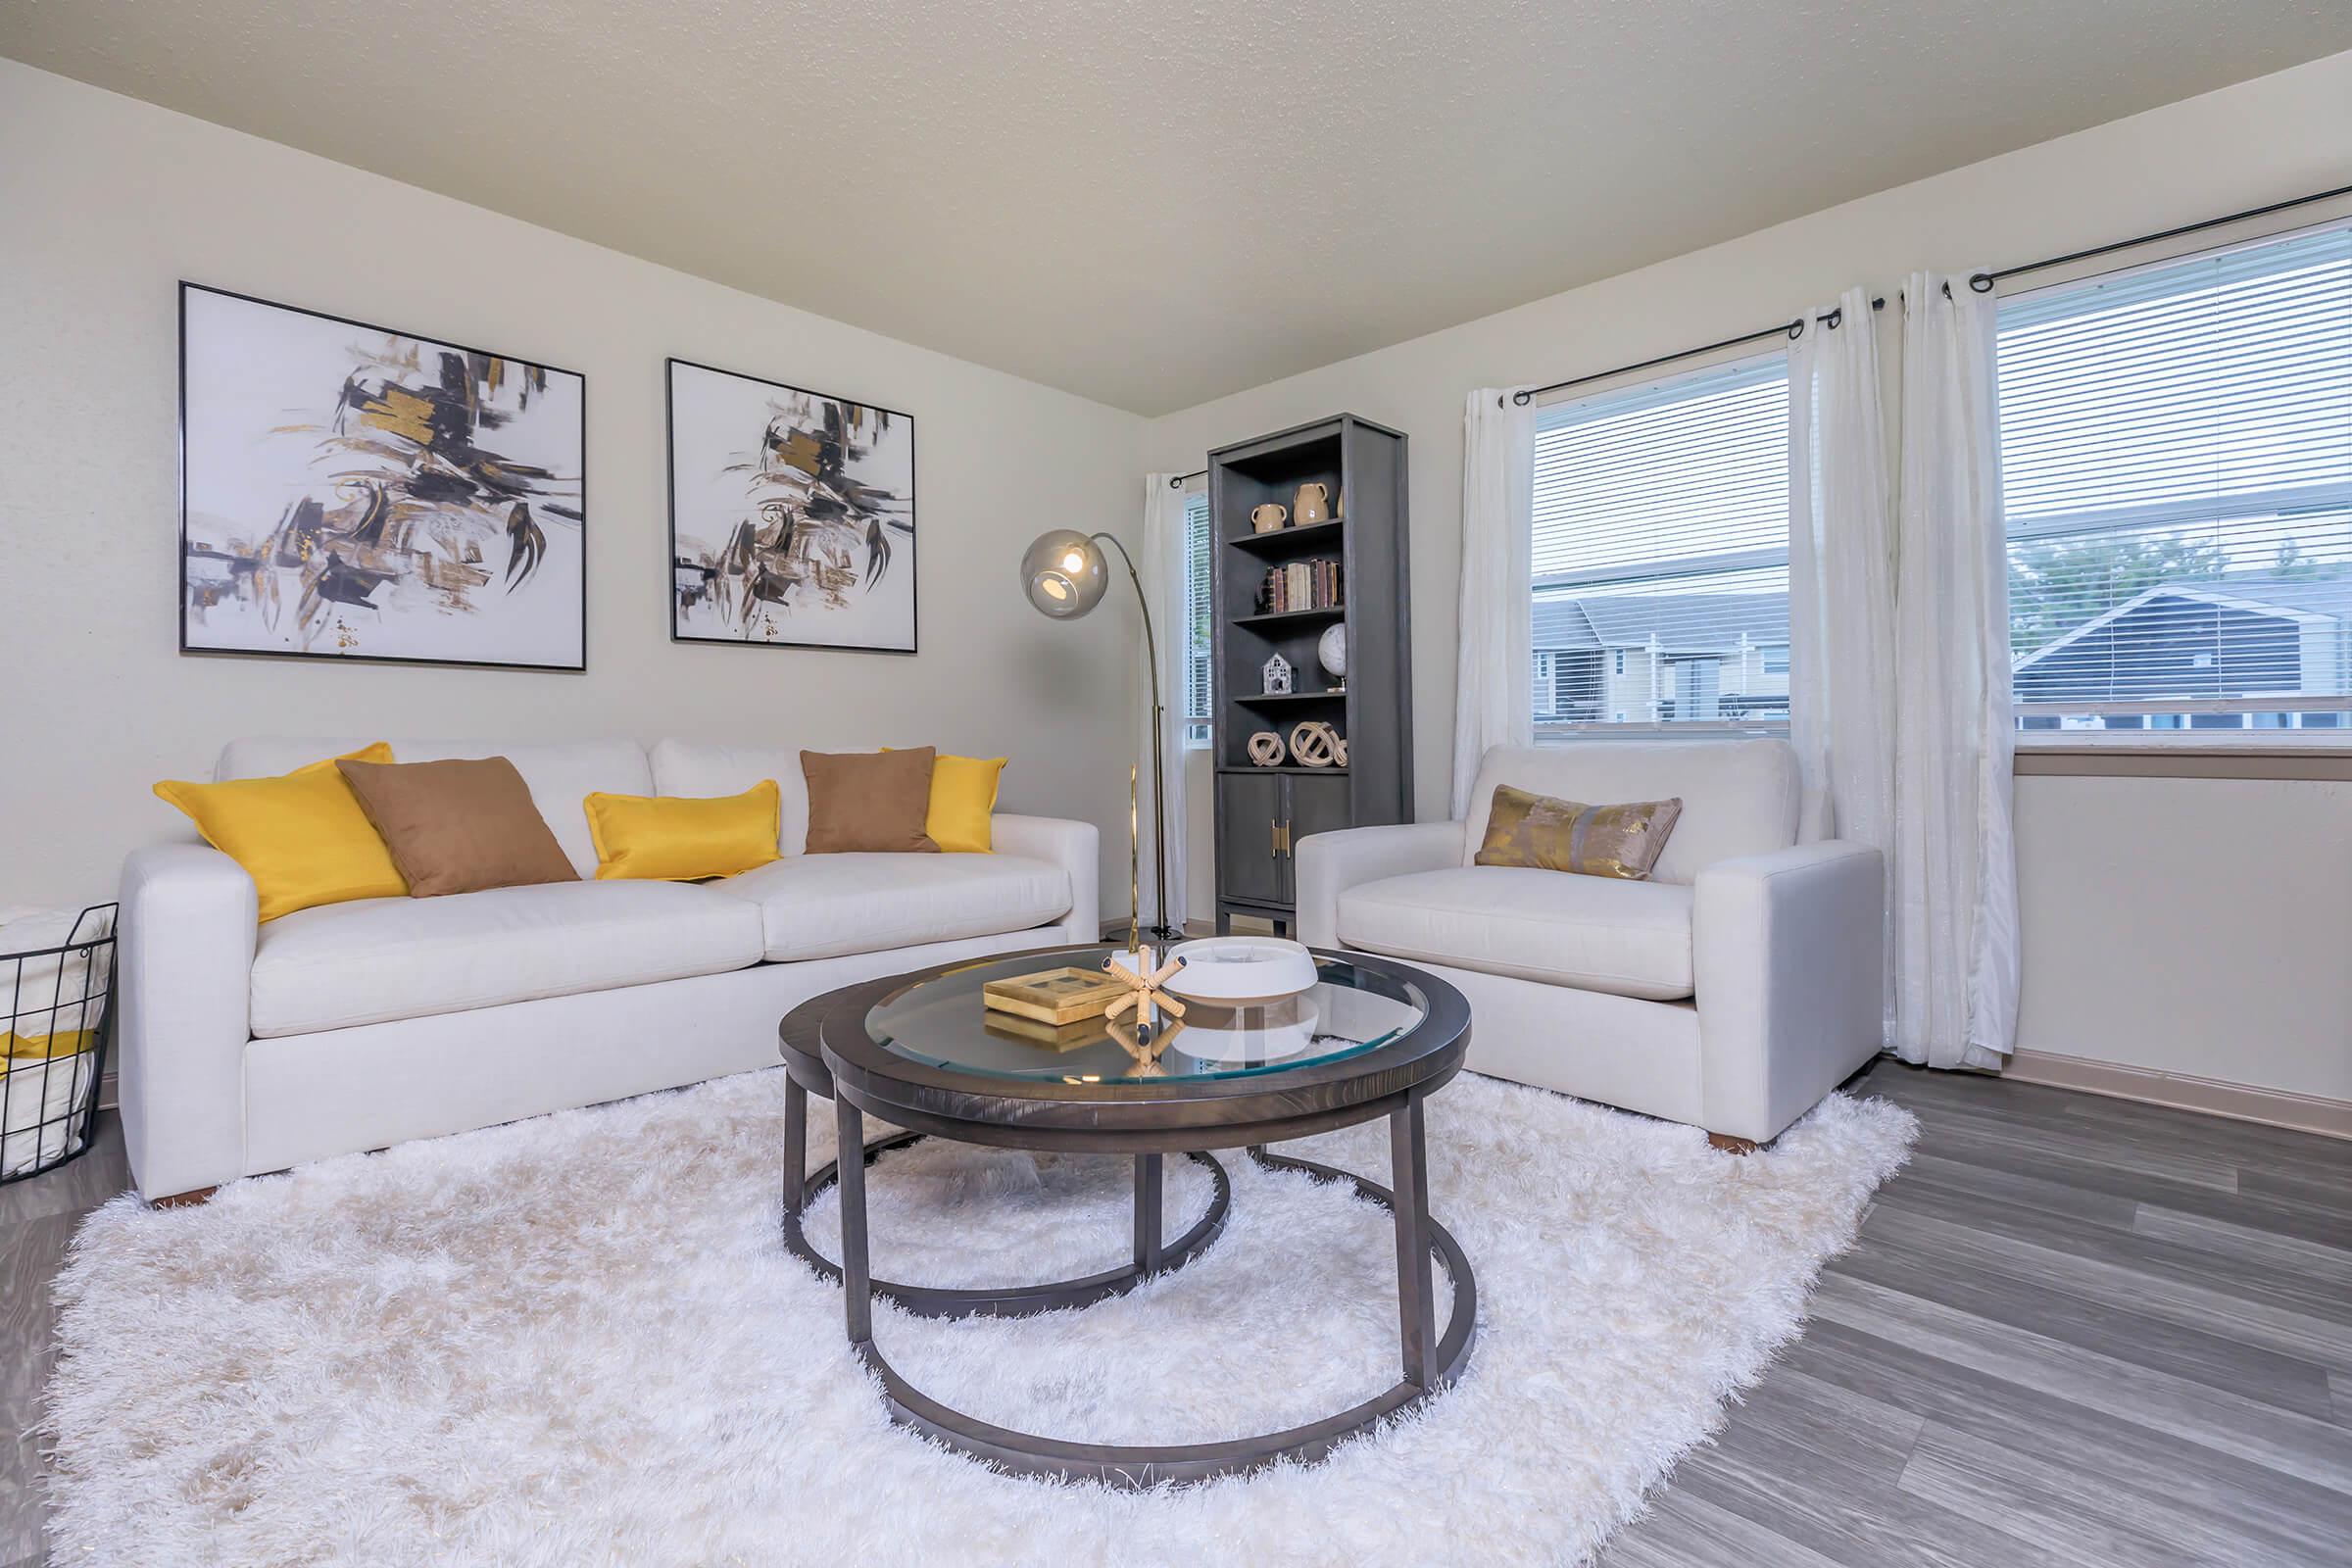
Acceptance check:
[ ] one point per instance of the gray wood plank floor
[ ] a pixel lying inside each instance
(2074, 1332)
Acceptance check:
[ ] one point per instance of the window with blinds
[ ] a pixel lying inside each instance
(1197, 618)
(1662, 553)
(2177, 475)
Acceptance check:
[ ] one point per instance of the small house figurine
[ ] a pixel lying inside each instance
(1277, 676)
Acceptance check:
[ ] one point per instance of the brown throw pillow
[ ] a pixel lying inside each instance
(1532, 830)
(458, 826)
(869, 801)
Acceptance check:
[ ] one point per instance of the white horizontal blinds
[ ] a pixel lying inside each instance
(1196, 609)
(2177, 474)
(1661, 552)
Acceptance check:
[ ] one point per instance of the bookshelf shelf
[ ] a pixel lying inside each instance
(1282, 540)
(1319, 613)
(1291, 767)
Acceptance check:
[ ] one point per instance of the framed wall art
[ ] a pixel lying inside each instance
(791, 516)
(349, 491)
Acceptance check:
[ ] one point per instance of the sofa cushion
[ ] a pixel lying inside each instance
(826, 905)
(1740, 796)
(378, 959)
(561, 775)
(1631, 939)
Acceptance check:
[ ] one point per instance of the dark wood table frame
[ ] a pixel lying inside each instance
(827, 1051)
(1153, 1254)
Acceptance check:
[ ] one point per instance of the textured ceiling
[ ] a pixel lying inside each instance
(1154, 205)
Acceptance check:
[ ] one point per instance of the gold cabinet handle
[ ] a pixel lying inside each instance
(1274, 838)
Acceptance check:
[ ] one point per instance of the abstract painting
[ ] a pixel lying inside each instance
(348, 491)
(791, 516)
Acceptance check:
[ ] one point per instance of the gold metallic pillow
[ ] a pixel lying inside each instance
(1537, 831)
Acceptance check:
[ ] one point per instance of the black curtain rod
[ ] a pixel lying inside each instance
(1983, 283)
(1177, 482)
(1789, 329)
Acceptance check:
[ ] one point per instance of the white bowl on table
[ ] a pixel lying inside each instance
(1236, 971)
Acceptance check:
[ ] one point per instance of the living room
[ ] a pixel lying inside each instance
(1536, 832)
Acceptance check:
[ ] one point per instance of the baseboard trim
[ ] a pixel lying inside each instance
(2273, 1107)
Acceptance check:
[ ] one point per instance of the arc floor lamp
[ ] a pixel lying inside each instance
(1065, 576)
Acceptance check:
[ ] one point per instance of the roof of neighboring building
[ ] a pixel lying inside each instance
(2324, 596)
(1681, 622)
(2304, 598)
(1709, 622)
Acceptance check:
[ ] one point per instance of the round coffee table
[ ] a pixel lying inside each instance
(1372, 1037)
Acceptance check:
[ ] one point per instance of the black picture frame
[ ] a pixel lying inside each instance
(672, 562)
(180, 581)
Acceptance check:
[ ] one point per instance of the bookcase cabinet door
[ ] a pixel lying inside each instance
(1317, 805)
(1250, 811)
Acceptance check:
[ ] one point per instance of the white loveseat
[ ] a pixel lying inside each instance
(351, 1026)
(1731, 991)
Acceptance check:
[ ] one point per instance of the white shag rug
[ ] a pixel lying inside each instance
(578, 1341)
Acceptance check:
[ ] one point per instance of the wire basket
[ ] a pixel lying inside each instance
(57, 1016)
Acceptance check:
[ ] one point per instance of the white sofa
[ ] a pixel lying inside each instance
(1731, 991)
(351, 1026)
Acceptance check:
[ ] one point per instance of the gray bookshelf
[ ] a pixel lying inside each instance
(1261, 812)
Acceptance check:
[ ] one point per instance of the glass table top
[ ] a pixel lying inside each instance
(943, 1022)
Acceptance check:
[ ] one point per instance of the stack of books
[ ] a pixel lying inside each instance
(1300, 585)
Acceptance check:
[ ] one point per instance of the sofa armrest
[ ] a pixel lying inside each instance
(1329, 863)
(1075, 847)
(185, 974)
(1789, 953)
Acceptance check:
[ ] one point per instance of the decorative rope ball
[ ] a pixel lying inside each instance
(1314, 743)
(1265, 749)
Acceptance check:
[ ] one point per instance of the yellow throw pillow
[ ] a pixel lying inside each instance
(301, 837)
(683, 838)
(963, 797)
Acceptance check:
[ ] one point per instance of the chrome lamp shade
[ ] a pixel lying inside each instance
(1064, 574)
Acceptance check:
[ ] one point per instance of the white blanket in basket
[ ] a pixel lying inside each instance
(48, 1032)
(41, 999)
(39, 1103)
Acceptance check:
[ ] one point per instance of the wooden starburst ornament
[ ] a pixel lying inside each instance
(1143, 989)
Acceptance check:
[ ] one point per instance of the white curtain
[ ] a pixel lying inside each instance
(1841, 575)
(1161, 567)
(1955, 861)
(1495, 678)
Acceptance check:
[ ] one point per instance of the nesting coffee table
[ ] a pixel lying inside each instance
(1372, 1037)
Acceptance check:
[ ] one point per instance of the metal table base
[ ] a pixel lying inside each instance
(802, 1187)
(1429, 1362)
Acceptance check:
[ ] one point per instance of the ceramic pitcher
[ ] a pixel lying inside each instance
(1267, 518)
(1312, 505)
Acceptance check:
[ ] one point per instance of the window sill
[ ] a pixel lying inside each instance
(2269, 759)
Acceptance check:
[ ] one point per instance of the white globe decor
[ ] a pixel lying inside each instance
(1332, 652)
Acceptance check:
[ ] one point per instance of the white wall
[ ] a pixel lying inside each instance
(2193, 926)
(105, 202)
(2264, 140)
